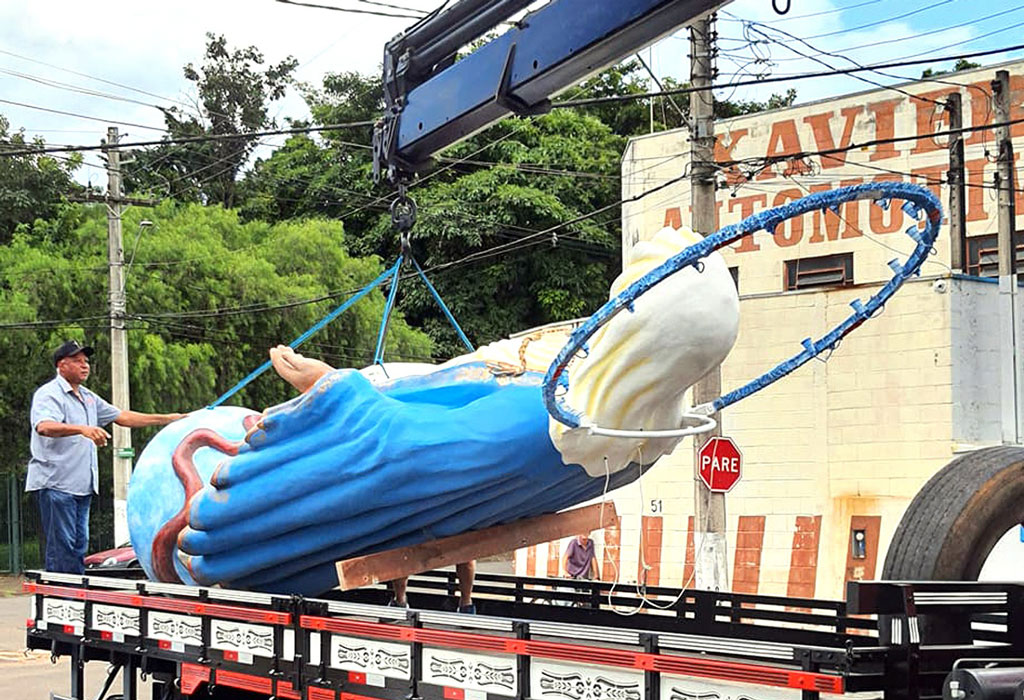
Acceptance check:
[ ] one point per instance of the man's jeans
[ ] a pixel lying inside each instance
(66, 528)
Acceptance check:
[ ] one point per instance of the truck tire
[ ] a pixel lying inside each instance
(953, 523)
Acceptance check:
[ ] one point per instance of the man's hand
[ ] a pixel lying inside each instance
(97, 435)
(301, 372)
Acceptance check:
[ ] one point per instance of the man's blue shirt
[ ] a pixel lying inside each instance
(66, 463)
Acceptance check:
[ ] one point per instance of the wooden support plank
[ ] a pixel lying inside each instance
(406, 561)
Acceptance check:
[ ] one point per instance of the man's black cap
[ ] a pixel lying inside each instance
(69, 348)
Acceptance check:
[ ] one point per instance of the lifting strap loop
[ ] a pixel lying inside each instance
(403, 217)
(393, 270)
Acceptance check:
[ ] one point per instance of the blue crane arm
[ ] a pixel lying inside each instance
(434, 101)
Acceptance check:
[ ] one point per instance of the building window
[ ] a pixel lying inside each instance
(825, 271)
(983, 254)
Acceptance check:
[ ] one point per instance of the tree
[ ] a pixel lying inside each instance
(328, 174)
(31, 186)
(207, 296)
(233, 99)
(499, 187)
(961, 64)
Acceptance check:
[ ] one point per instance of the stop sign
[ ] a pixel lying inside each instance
(719, 462)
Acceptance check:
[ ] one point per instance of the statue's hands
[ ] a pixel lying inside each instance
(301, 372)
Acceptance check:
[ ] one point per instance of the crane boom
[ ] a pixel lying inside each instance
(434, 101)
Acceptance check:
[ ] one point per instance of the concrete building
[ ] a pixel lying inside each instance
(833, 453)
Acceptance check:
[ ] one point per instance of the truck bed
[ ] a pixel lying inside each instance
(534, 638)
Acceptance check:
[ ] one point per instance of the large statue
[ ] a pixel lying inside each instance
(360, 462)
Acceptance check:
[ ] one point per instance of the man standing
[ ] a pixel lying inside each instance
(67, 422)
(579, 560)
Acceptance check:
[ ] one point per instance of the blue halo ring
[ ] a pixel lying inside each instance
(917, 200)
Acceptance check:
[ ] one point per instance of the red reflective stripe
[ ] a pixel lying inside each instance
(284, 690)
(683, 665)
(106, 636)
(69, 629)
(231, 656)
(164, 644)
(356, 677)
(454, 693)
(229, 612)
(243, 681)
(30, 623)
(192, 675)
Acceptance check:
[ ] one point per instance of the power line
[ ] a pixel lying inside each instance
(610, 99)
(940, 30)
(883, 21)
(74, 88)
(79, 116)
(199, 139)
(753, 27)
(823, 12)
(768, 160)
(350, 10)
(585, 102)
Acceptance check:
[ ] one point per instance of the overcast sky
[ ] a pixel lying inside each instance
(142, 45)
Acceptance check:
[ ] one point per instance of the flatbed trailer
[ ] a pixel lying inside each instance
(534, 638)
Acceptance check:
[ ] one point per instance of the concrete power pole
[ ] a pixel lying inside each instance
(711, 569)
(118, 339)
(1009, 310)
(955, 177)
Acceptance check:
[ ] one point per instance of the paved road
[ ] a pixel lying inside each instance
(29, 675)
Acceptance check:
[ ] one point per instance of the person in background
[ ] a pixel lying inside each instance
(67, 427)
(579, 560)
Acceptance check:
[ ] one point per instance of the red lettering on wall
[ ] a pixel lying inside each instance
(792, 230)
(885, 128)
(746, 205)
(1018, 187)
(886, 220)
(723, 153)
(930, 118)
(976, 189)
(783, 141)
(673, 218)
(823, 138)
(1016, 103)
(829, 221)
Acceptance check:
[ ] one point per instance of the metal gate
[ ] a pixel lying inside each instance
(20, 538)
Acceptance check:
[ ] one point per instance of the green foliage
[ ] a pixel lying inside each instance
(961, 64)
(234, 97)
(198, 293)
(31, 186)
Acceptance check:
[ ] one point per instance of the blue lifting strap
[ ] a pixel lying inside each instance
(393, 270)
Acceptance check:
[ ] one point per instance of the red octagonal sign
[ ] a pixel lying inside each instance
(720, 463)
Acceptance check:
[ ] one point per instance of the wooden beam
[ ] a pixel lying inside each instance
(399, 563)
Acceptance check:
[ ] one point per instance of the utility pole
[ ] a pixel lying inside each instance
(955, 177)
(1009, 311)
(118, 338)
(709, 518)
